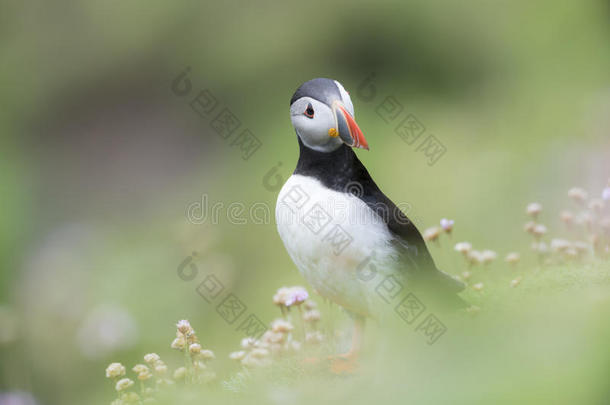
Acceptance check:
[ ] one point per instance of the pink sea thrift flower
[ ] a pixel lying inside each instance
(296, 295)
(447, 224)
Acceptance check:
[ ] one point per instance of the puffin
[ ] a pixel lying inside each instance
(350, 242)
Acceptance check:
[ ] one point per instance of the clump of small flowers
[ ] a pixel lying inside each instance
(539, 231)
(488, 257)
(255, 353)
(567, 218)
(123, 384)
(153, 373)
(533, 210)
(463, 247)
(195, 357)
(156, 368)
(281, 326)
(279, 340)
(447, 225)
(560, 245)
(116, 372)
(432, 234)
(312, 317)
(287, 297)
(590, 220)
(152, 358)
(142, 371)
(578, 194)
(474, 258)
(276, 341)
(565, 250)
(470, 256)
(512, 258)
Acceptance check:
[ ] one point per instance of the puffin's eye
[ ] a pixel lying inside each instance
(309, 111)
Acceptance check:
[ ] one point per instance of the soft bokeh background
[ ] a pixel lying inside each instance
(99, 161)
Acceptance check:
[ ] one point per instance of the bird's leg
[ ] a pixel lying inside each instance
(347, 362)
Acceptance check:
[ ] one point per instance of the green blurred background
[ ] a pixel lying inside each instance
(99, 161)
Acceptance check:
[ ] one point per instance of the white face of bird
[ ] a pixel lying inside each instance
(324, 127)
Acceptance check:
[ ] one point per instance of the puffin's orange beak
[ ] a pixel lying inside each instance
(349, 131)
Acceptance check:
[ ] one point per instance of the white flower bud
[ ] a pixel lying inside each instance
(115, 370)
(123, 384)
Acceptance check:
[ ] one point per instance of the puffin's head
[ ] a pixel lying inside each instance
(322, 114)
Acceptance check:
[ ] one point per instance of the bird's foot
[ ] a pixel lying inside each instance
(342, 364)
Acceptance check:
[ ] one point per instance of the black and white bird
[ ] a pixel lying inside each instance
(344, 235)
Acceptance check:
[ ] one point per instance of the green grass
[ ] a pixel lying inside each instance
(544, 341)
